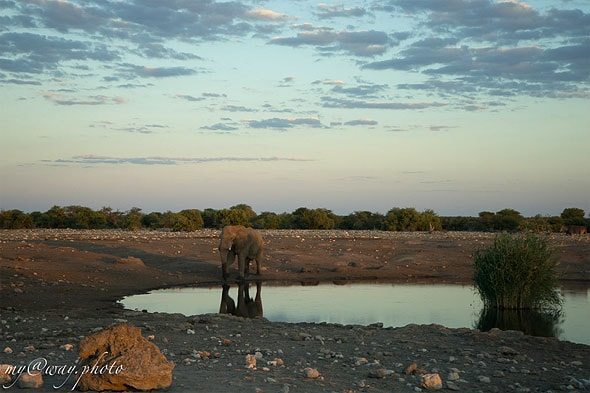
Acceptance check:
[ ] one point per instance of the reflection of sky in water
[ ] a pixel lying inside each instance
(393, 305)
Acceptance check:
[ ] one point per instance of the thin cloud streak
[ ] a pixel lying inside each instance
(86, 159)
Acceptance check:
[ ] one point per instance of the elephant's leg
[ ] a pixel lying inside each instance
(231, 256)
(258, 261)
(242, 266)
(247, 267)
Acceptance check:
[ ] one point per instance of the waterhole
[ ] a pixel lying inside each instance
(393, 305)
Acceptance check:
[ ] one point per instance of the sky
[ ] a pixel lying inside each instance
(459, 106)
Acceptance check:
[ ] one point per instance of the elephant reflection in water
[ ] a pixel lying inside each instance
(247, 307)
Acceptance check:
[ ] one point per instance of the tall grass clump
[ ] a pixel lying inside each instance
(517, 271)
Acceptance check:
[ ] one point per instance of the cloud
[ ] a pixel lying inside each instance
(262, 14)
(328, 11)
(220, 127)
(284, 123)
(440, 127)
(188, 97)
(238, 108)
(22, 82)
(361, 122)
(60, 99)
(359, 43)
(458, 47)
(330, 82)
(495, 47)
(363, 90)
(330, 102)
(131, 128)
(162, 72)
(35, 53)
(86, 159)
(42, 36)
(209, 94)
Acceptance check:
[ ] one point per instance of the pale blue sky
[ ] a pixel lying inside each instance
(458, 106)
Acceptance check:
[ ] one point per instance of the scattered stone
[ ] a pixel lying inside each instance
(119, 358)
(8, 350)
(250, 361)
(380, 373)
(508, 351)
(130, 261)
(431, 381)
(4, 373)
(311, 373)
(276, 362)
(30, 380)
(452, 386)
(301, 336)
(453, 376)
(483, 379)
(411, 368)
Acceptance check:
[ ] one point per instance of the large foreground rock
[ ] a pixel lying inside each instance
(120, 358)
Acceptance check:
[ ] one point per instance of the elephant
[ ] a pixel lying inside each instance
(576, 229)
(247, 307)
(245, 243)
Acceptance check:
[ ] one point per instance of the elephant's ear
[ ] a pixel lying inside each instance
(227, 241)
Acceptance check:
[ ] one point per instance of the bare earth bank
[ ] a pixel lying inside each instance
(57, 286)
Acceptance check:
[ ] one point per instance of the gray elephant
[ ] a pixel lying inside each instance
(245, 243)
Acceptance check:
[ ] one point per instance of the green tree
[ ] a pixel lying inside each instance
(555, 223)
(390, 221)
(210, 219)
(362, 220)
(507, 220)
(112, 217)
(537, 224)
(267, 220)
(486, 221)
(248, 213)
(402, 219)
(56, 217)
(429, 221)
(305, 218)
(194, 220)
(236, 215)
(152, 220)
(131, 220)
(459, 223)
(15, 219)
(80, 217)
(573, 216)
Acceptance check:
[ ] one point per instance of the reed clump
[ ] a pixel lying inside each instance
(518, 271)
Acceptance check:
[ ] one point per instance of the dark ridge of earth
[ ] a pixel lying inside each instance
(57, 286)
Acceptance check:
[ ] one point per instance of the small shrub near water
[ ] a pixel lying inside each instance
(517, 272)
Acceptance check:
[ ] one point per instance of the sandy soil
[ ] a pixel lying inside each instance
(57, 286)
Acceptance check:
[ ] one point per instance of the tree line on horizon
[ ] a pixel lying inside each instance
(396, 219)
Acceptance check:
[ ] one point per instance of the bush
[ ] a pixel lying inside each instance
(517, 272)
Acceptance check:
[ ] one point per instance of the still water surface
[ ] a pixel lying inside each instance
(393, 305)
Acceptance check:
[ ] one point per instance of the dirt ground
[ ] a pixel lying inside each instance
(57, 286)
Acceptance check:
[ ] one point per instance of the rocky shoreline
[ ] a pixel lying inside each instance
(60, 286)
